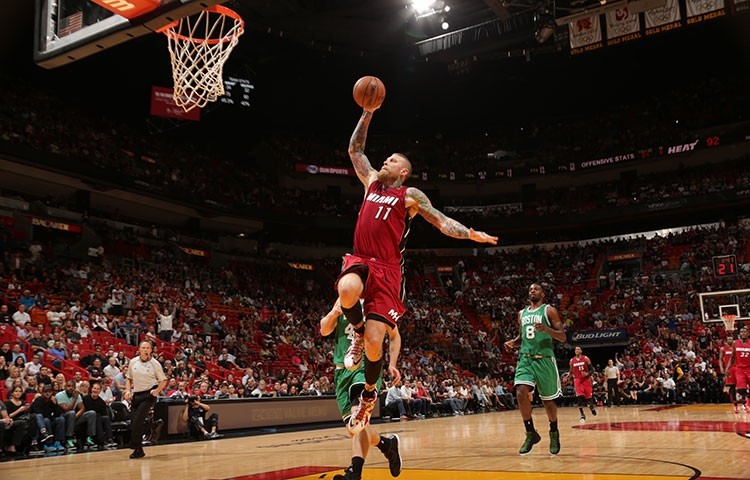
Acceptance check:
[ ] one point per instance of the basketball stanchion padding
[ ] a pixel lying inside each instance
(198, 47)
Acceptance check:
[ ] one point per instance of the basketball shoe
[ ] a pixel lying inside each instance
(348, 475)
(593, 411)
(745, 409)
(393, 456)
(583, 418)
(361, 418)
(736, 408)
(532, 438)
(353, 357)
(554, 443)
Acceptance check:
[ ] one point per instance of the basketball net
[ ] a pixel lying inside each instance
(198, 47)
(728, 321)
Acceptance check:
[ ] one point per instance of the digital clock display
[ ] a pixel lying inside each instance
(725, 265)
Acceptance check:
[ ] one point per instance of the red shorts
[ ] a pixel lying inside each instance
(383, 291)
(729, 378)
(742, 377)
(584, 387)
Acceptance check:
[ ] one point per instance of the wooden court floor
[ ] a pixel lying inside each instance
(683, 442)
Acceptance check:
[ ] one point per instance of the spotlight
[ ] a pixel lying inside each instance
(545, 25)
(445, 25)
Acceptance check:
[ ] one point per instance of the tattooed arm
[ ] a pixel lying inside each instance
(416, 199)
(362, 166)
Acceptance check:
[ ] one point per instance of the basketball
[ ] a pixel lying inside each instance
(369, 92)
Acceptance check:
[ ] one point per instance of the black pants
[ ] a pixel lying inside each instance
(196, 423)
(142, 402)
(613, 391)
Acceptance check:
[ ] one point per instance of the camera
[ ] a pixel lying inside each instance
(191, 399)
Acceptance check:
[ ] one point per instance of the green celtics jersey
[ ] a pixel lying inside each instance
(344, 334)
(532, 341)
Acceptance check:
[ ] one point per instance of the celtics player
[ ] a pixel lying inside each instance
(537, 367)
(349, 386)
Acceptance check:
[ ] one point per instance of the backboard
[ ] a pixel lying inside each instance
(68, 30)
(728, 302)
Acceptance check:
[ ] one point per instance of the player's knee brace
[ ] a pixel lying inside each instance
(355, 317)
(372, 371)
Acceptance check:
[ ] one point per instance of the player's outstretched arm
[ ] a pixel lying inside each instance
(450, 227)
(361, 164)
(328, 323)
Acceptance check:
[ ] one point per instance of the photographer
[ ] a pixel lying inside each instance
(195, 416)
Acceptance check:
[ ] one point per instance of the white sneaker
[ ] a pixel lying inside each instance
(353, 357)
(359, 420)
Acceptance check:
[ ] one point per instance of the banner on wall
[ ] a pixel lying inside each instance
(664, 18)
(702, 10)
(622, 26)
(585, 34)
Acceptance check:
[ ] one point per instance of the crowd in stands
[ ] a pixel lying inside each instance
(164, 166)
(250, 328)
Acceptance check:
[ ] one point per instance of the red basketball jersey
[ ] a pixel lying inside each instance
(578, 366)
(383, 224)
(742, 354)
(726, 354)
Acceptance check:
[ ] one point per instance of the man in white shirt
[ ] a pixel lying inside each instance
(111, 369)
(164, 320)
(394, 399)
(21, 317)
(415, 406)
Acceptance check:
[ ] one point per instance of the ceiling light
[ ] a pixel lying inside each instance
(445, 25)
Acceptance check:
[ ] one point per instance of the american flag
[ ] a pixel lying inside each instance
(70, 24)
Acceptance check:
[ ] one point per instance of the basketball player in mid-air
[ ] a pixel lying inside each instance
(349, 385)
(580, 368)
(740, 360)
(374, 271)
(537, 368)
(730, 382)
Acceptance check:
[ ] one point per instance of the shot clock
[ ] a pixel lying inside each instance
(725, 265)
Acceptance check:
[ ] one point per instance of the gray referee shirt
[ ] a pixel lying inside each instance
(145, 375)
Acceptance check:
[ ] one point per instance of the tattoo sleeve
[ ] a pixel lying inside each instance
(357, 146)
(445, 224)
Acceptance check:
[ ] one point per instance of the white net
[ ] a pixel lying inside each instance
(728, 321)
(198, 47)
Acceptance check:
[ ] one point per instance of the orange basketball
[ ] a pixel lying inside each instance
(369, 92)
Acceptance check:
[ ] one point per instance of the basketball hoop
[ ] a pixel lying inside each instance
(198, 48)
(728, 321)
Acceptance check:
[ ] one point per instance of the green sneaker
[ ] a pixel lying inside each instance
(90, 442)
(554, 443)
(69, 443)
(532, 438)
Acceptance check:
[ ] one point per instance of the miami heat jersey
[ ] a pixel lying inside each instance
(578, 366)
(742, 354)
(726, 353)
(383, 224)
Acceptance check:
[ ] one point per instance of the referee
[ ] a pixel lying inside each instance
(147, 379)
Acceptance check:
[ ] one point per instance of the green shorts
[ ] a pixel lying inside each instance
(349, 385)
(539, 373)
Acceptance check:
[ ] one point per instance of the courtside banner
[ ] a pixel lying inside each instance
(664, 18)
(585, 34)
(607, 337)
(316, 169)
(622, 26)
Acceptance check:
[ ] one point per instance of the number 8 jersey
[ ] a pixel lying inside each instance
(534, 342)
(383, 224)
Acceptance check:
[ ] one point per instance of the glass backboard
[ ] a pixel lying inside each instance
(68, 30)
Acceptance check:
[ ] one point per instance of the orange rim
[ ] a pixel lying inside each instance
(221, 10)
